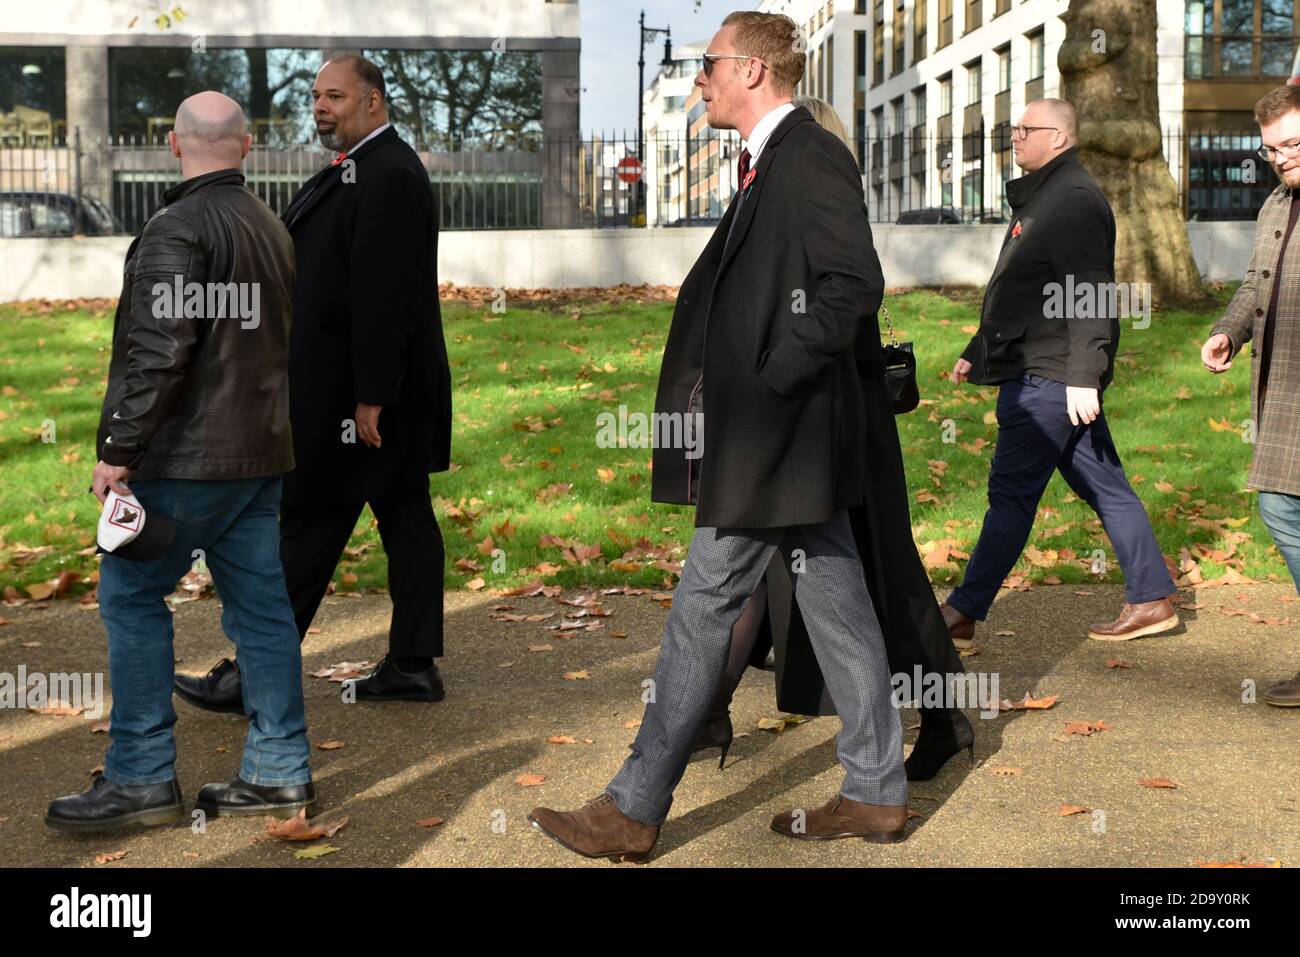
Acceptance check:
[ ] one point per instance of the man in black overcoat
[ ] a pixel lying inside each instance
(370, 385)
(762, 346)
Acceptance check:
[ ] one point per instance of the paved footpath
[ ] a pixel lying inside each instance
(1176, 712)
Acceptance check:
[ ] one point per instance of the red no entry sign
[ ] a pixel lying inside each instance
(629, 169)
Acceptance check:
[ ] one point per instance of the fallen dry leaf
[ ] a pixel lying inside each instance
(1085, 728)
(430, 821)
(1068, 809)
(330, 745)
(577, 675)
(1008, 772)
(1156, 783)
(298, 829)
(530, 779)
(110, 856)
(318, 850)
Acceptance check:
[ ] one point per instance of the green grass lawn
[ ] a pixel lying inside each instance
(532, 495)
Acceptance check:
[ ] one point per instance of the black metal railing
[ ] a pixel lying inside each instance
(66, 189)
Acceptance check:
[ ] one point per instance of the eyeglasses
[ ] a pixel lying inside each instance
(711, 58)
(1021, 132)
(1287, 149)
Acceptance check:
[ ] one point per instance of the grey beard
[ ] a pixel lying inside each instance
(330, 141)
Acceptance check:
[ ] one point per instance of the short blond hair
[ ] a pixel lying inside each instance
(775, 39)
(825, 116)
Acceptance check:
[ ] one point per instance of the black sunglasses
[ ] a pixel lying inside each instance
(711, 58)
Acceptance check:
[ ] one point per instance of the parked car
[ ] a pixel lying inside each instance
(930, 216)
(54, 214)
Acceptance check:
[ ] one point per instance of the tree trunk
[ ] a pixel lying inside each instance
(1108, 71)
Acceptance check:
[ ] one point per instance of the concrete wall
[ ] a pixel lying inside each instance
(556, 258)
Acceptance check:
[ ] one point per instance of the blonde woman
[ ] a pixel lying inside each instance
(915, 635)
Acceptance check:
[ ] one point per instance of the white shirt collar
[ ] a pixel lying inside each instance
(368, 137)
(763, 129)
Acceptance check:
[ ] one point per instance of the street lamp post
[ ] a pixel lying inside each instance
(640, 101)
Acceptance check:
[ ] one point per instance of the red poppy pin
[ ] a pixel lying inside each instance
(1015, 230)
(749, 179)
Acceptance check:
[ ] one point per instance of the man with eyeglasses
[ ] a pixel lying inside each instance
(1266, 312)
(784, 461)
(1051, 366)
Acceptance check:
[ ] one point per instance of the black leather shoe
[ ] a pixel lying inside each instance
(218, 690)
(108, 806)
(389, 683)
(241, 799)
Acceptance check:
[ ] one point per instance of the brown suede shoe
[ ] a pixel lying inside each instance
(841, 817)
(960, 628)
(598, 829)
(1284, 694)
(1148, 618)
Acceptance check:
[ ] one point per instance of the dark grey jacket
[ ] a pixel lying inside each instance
(1049, 305)
(198, 382)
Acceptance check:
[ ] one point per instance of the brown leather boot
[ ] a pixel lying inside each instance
(1148, 618)
(598, 829)
(842, 817)
(960, 628)
(1284, 694)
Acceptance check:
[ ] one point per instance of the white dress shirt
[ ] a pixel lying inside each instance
(762, 130)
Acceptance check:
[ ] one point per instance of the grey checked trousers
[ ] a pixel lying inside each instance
(723, 567)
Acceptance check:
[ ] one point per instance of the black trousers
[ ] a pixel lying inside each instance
(312, 542)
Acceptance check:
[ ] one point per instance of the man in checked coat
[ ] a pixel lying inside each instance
(1266, 312)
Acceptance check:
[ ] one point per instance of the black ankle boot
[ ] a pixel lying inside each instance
(716, 731)
(944, 733)
(108, 806)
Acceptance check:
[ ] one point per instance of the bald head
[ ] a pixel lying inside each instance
(1062, 114)
(210, 132)
(1050, 128)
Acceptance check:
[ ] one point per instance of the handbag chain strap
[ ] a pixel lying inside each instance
(889, 326)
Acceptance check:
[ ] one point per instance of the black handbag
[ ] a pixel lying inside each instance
(900, 371)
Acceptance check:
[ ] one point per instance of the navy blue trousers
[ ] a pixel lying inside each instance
(1035, 438)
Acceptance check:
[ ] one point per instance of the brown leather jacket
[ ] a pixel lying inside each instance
(198, 384)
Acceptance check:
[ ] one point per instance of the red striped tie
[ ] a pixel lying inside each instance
(744, 166)
(339, 159)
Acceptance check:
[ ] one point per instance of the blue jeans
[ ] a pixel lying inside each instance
(1035, 439)
(1281, 513)
(234, 526)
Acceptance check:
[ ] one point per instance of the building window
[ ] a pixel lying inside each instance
(945, 95)
(33, 103)
(830, 69)
(945, 24)
(973, 88)
(1036, 55)
(919, 38)
(860, 60)
(443, 99)
(878, 47)
(900, 38)
(974, 16)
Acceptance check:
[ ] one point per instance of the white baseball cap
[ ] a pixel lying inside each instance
(127, 531)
